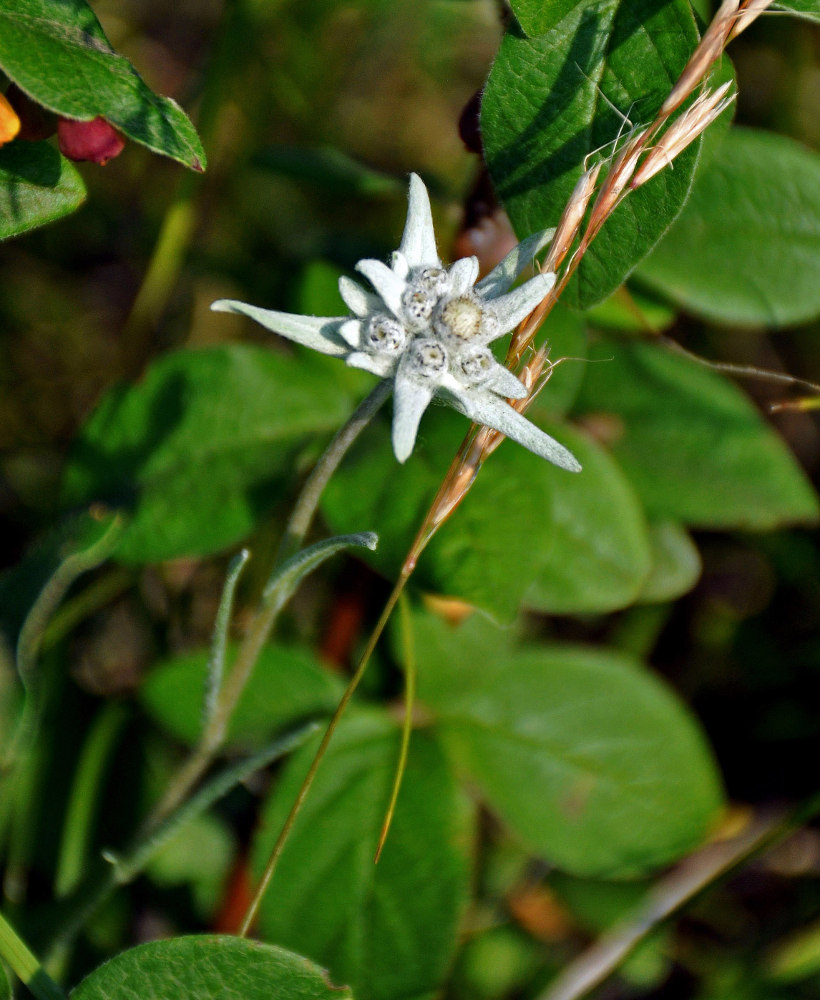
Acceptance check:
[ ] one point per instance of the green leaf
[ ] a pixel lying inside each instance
(599, 557)
(287, 685)
(693, 445)
(37, 186)
(676, 564)
(389, 930)
(479, 556)
(745, 248)
(208, 967)
(199, 854)
(587, 756)
(526, 530)
(565, 331)
(551, 100)
(286, 579)
(195, 449)
(810, 9)
(56, 51)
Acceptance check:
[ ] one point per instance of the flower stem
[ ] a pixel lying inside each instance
(409, 657)
(302, 794)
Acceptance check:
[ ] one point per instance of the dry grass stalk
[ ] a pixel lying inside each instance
(683, 131)
(623, 176)
(748, 12)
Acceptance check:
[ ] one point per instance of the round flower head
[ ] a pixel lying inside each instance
(427, 328)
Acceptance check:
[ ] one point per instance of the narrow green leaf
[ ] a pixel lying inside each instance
(207, 967)
(287, 685)
(587, 756)
(389, 930)
(810, 9)
(5, 984)
(37, 186)
(693, 445)
(599, 557)
(56, 51)
(553, 99)
(745, 248)
(219, 640)
(127, 866)
(196, 449)
(285, 580)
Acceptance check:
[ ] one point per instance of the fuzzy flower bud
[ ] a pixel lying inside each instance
(96, 140)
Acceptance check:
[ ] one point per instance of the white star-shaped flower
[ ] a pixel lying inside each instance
(428, 329)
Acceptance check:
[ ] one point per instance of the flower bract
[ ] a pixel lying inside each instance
(428, 328)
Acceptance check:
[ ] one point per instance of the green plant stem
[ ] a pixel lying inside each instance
(26, 965)
(94, 759)
(302, 794)
(260, 628)
(95, 596)
(409, 657)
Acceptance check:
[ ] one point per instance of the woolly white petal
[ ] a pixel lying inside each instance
(399, 265)
(462, 275)
(504, 274)
(485, 408)
(317, 332)
(376, 364)
(389, 285)
(411, 397)
(357, 300)
(511, 308)
(505, 383)
(418, 242)
(351, 330)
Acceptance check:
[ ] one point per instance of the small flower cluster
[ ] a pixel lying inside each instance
(428, 329)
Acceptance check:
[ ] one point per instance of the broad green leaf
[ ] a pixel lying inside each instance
(599, 559)
(481, 555)
(208, 967)
(200, 855)
(565, 331)
(526, 530)
(553, 99)
(388, 930)
(746, 246)
(809, 9)
(287, 685)
(676, 563)
(692, 443)
(195, 449)
(37, 186)
(632, 311)
(587, 756)
(56, 51)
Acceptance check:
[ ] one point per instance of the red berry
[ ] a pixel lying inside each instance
(96, 140)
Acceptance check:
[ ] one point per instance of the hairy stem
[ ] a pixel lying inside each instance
(302, 794)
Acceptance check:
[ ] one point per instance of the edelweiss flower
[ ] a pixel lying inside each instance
(429, 329)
